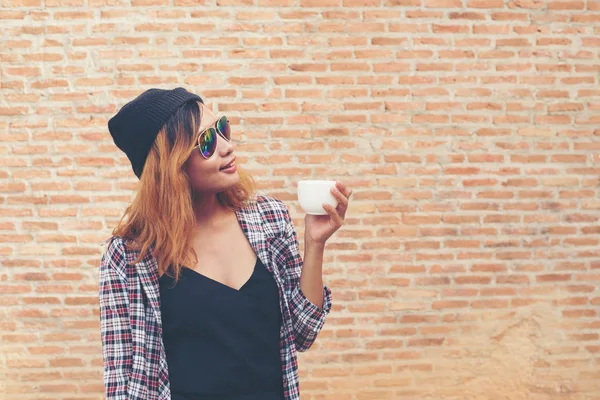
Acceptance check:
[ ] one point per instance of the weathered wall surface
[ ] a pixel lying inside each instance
(469, 265)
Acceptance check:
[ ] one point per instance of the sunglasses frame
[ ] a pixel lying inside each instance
(217, 130)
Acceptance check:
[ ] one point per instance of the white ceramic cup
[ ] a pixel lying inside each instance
(313, 193)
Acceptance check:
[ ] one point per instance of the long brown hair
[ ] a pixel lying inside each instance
(161, 215)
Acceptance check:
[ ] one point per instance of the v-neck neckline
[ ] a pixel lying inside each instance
(224, 285)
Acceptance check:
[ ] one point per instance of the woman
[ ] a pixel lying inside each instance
(203, 292)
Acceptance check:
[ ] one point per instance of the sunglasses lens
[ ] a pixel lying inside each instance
(208, 142)
(224, 127)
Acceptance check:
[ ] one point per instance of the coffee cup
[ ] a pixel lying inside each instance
(313, 193)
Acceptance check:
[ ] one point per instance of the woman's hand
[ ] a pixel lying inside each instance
(319, 228)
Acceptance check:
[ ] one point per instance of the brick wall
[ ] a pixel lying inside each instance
(467, 128)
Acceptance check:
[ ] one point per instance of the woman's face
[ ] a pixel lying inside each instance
(208, 176)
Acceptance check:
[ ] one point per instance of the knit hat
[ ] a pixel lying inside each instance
(138, 122)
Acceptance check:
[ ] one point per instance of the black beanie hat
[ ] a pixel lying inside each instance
(138, 122)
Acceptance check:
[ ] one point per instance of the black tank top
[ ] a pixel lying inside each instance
(222, 343)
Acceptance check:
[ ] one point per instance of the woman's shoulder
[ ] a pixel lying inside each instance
(116, 254)
(275, 216)
(272, 208)
(114, 244)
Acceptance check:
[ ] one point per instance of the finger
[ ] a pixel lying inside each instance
(341, 198)
(342, 202)
(335, 217)
(345, 190)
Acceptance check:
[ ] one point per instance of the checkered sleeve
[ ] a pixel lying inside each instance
(308, 319)
(114, 322)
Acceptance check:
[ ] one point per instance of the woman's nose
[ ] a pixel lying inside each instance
(226, 146)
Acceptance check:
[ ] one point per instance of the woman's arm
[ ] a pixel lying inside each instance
(114, 322)
(311, 280)
(311, 301)
(308, 318)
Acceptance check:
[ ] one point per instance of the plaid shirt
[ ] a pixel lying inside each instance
(135, 366)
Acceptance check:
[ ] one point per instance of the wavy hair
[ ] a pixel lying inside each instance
(161, 217)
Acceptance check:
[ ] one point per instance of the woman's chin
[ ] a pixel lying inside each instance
(230, 180)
